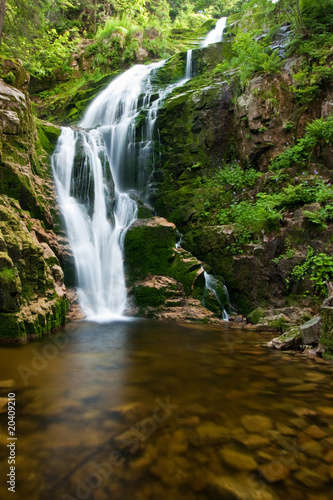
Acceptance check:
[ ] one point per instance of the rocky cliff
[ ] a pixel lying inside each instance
(32, 291)
(213, 124)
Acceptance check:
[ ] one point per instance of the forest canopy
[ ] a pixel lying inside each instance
(44, 34)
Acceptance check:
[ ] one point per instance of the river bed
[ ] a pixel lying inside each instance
(143, 410)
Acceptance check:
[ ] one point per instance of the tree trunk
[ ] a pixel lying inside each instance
(2, 16)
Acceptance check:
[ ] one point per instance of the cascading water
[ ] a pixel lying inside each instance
(95, 173)
(99, 169)
(216, 34)
(220, 291)
(188, 73)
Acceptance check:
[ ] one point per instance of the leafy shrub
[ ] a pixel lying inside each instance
(317, 267)
(234, 174)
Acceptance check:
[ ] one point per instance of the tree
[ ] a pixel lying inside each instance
(2, 16)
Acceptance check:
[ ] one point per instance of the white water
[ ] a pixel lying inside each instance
(95, 174)
(188, 73)
(97, 169)
(216, 34)
(211, 284)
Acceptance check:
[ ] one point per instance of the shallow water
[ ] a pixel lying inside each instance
(149, 410)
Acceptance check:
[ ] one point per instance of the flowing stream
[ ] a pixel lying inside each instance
(101, 168)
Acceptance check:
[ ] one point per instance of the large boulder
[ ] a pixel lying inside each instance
(165, 281)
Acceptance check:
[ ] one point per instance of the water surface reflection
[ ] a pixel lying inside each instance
(149, 410)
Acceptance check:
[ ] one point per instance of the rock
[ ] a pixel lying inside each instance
(255, 316)
(237, 460)
(311, 479)
(274, 471)
(289, 340)
(315, 432)
(3, 405)
(312, 449)
(255, 423)
(328, 457)
(32, 295)
(209, 431)
(326, 410)
(311, 330)
(237, 487)
(253, 441)
(172, 471)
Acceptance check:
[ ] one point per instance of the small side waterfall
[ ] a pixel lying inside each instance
(216, 34)
(219, 292)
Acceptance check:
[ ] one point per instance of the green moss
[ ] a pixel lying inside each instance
(255, 316)
(11, 326)
(146, 296)
(328, 355)
(148, 249)
(48, 135)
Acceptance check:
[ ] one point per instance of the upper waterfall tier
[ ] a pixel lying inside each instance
(216, 34)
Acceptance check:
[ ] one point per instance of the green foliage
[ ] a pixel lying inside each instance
(317, 133)
(250, 57)
(317, 267)
(235, 176)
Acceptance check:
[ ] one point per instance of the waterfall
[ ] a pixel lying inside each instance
(219, 291)
(188, 74)
(99, 169)
(216, 34)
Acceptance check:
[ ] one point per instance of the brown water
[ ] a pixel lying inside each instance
(142, 410)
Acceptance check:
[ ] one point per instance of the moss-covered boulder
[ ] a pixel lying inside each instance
(161, 277)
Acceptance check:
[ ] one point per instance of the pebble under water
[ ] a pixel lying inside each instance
(143, 410)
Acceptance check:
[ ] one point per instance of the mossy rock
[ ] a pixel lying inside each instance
(11, 326)
(149, 247)
(255, 316)
(48, 135)
(328, 355)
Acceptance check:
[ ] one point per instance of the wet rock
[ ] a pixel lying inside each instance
(6, 384)
(305, 412)
(3, 405)
(303, 388)
(292, 339)
(328, 457)
(209, 431)
(237, 460)
(253, 441)
(326, 410)
(315, 432)
(311, 479)
(256, 423)
(237, 487)
(312, 449)
(172, 471)
(274, 471)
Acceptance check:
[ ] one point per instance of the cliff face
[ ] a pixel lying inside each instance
(32, 292)
(204, 126)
